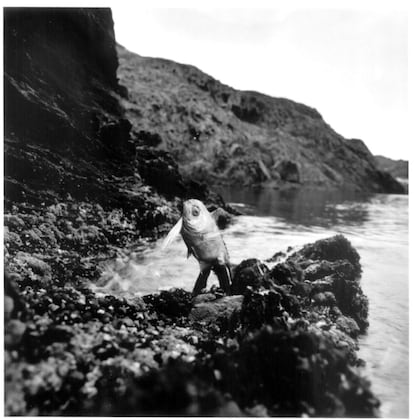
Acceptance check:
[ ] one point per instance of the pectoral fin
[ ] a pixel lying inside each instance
(172, 234)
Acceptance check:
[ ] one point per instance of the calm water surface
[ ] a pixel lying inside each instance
(376, 224)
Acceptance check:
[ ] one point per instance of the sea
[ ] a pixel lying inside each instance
(272, 221)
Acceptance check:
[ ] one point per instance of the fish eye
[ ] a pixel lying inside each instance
(195, 211)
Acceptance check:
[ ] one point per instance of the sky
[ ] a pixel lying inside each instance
(348, 62)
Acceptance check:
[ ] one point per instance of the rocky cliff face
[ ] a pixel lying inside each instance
(65, 131)
(397, 168)
(222, 135)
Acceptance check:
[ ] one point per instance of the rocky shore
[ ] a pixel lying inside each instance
(284, 344)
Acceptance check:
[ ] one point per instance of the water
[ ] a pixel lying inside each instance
(376, 224)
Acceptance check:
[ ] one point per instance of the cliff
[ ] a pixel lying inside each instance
(222, 135)
(397, 168)
(66, 134)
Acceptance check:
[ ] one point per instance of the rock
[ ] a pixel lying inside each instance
(14, 331)
(323, 284)
(212, 311)
(8, 307)
(204, 297)
(249, 273)
(258, 410)
(159, 170)
(276, 257)
(12, 240)
(348, 326)
(136, 301)
(172, 303)
(11, 291)
(149, 138)
(352, 301)
(300, 373)
(288, 273)
(330, 249)
(222, 217)
(38, 266)
(332, 266)
(13, 221)
(324, 299)
(174, 390)
(317, 270)
(289, 171)
(268, 307)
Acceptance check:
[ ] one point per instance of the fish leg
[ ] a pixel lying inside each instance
(223, 274)
(201, 282)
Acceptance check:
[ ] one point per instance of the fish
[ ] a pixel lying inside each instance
(204, 241)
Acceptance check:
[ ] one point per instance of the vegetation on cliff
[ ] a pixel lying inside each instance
(226, 136)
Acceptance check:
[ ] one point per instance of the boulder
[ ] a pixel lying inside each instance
(215, 310)
(348, 326)
(331, 249)
(249, 273)
(288, 171)
(173, 303)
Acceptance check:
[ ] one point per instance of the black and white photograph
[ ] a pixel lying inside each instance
(206, 209)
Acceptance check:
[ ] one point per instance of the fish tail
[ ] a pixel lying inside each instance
(201, 281)
(223, 273)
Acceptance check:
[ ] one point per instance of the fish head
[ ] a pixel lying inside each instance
(195, 214)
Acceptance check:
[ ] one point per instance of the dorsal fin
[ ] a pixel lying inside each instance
(172, 234)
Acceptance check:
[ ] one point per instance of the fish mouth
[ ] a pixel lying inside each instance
(192, 208)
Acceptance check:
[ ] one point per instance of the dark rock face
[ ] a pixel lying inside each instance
(232, 137)
(65, 131)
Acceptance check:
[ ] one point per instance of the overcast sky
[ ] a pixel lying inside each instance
(348, 63)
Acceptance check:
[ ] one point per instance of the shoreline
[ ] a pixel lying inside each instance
(62, 341)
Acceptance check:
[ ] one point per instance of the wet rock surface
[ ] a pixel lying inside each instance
(269, 350)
